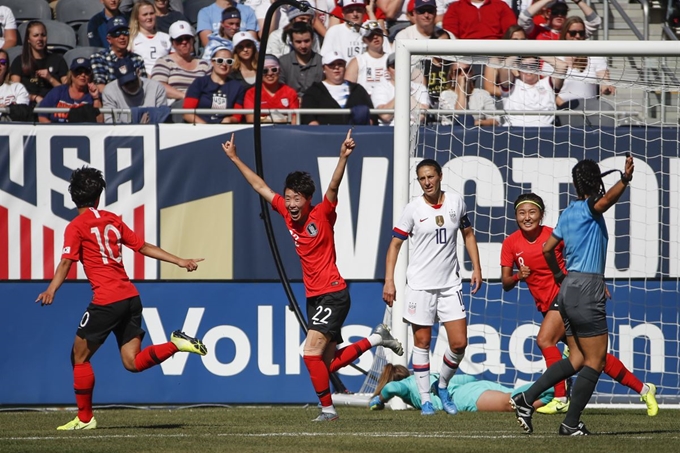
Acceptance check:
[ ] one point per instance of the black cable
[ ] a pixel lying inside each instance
(257, 136)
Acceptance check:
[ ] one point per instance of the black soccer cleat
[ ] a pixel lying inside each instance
(523, 411)
(580, 430)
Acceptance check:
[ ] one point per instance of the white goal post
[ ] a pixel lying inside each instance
(651, 275)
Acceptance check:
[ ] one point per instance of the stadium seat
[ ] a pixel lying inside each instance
(81, 35)
(60, 37)
(76, 12)
(25, 10)
(13, 52)
(594, 104)
(192, 7)
(78, 52)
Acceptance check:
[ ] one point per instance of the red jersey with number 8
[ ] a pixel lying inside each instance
(95, 238)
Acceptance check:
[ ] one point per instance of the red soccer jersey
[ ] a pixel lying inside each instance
(315, 244)
(518, 251)
(95, 238)
(284, 98)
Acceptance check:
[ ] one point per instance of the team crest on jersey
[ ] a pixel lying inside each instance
(312, 230)
(439, 220)
(66, 250)
(412, 308)
(452, 214)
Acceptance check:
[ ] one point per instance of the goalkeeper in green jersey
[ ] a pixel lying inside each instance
(467, 392)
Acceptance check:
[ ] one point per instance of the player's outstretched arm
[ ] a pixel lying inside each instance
(345, 150)
(47, 297)
(389, 290)
(153, 251)
(253, 178)
(615, 191)
(473, 251)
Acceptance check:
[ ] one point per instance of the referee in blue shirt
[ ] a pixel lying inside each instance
(582, 294)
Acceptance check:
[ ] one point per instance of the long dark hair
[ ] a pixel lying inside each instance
(28, 64)
(587, 179)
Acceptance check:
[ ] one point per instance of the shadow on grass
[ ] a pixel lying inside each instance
(641, 433)
(160, 426)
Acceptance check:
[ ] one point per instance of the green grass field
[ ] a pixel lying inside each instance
(289, 429)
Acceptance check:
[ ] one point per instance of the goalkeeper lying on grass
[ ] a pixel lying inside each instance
(467, 392)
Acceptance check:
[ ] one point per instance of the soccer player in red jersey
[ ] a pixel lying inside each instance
(523, 250)
(328, 300)
(95, 238)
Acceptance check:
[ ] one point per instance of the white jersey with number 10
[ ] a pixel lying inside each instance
(433, 232)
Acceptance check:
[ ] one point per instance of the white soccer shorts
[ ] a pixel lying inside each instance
(423, 307)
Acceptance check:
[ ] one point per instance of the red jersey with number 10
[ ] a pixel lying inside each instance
(95, 238)
(315, 245)
(517, 251)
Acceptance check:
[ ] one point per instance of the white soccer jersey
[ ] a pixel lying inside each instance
(347, 42)
(371, 71)
(151, 48)
(433, 232)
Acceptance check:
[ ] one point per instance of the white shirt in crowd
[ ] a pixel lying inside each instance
(479, 99)
(384, 91)
(13, 93)
(347, 42)
(371, 71)
(521, 96)
(580, 84)
(151, 48)
(7, 22)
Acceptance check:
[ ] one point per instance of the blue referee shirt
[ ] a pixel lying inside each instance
(585, 237)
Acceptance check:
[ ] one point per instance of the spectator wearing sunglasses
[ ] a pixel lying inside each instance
(97, 27)
(215, 91)
(177, 70)
(106, 62)
(584, 74)
(78, 90)
(10, 93)
(275, 95)
(556, 19)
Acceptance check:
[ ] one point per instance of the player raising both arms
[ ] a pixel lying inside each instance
(95, 238)
(524, 250)
(582, 296)
(434, 288)
(328, 300)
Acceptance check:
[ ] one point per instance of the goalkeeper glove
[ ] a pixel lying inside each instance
(375, 404)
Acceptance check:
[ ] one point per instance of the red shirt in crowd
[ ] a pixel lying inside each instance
(490, 21)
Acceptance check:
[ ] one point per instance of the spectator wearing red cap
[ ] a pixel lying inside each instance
(478, 19)
(345, 38)
(556, 19)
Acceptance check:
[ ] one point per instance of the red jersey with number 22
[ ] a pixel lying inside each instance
(517, 251)
(315, 245)
(95, 238)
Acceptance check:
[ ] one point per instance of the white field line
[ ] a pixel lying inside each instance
(436, 435)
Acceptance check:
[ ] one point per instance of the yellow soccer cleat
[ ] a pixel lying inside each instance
(650, 400)
(185, 343)
(76, 424)
(554, 407)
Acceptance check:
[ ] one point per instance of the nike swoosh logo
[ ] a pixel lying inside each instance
(422, 220)
(518, 254)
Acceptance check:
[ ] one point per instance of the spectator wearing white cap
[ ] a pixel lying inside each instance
(8, 28)
(210, 17)
(245, 59)
(177, 70)
(275, 95)
(345, 38)
(334, 92)
(301, 67)
(230, 25)
(369, 68)
(279, 40)
(145, 40)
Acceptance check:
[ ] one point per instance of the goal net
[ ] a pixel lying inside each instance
(529, 144)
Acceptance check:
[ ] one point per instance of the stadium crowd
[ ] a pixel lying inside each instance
(154, 55)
